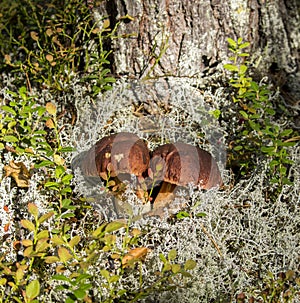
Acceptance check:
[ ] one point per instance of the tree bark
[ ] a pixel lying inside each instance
(186, 38)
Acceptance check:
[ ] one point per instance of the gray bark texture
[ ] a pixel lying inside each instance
(185, 38)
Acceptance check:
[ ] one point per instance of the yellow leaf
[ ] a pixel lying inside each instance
(58, 159)
(51, 259)
(32, 208)
(51, 108)
(27, 242)
(64, 254)
(57, 240)
(106, 23)
(49, 123)
(19, 172)
(134, 255)
(74, 241)
(28, 225)
(49, 57)
(49, 32)
(34, 36)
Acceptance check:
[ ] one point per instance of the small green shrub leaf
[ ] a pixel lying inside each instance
(172, 254)
(163, 258)
(243, 69)
(267, 149)
(43, 163)
(244, 114)
(66, 179)
(175, 268)
(28, 225)
(33, 289)
(59, 171)
(99, 230)
(61, 278)
(10, 139)
(105, 274)
(64, 254)
(231, 67)
(74, 241)
(286, 132)
(45, 217)
(8, 109)
(231, 42)
(51, 259)
(113, 226)
(44, 234)
(244, 45)
(190, 264)
(79, 294)
(32, 208)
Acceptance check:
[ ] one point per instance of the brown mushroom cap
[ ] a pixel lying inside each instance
(181, 164)
(117, 154)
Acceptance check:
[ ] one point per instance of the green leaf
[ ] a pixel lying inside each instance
(11, 139)
(239, 40)
(163, 258)
(182, 214)
(201, 215)
(273, 163)
(61, 278)
(190, 264)
(44, 234)
(267, 149)
(175, 268)
(237, 148)
(28, 225)
(270, 111)
(8, 110)
(45, 217)
(79, 294)
(99, 230)
(82, 277)
(74, 241)
(41, 245)
(64, 254)
(243, 69)
(66, 149)
(172, 254)
(216, 113)
(67, 178)
(59, 171)
(105, 274)
(53, 185)
(232, 43)
(114, 279)
(66, 190)
(113, 226)
(33, 289)
(244, 114)
(254, 125)
(244, 55)
(286, 132)
(69, 300)
(57, 240)
(244, 45)
(231, 67)
(68, 215)
(32, 208)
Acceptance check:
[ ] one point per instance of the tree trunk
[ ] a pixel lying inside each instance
(188, 38)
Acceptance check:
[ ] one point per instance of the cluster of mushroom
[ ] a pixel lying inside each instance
(117, 157)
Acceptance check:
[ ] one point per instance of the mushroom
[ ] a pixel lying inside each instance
(179, 164)
(116, 157)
